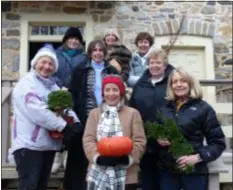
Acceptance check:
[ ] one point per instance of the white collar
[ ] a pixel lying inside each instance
(154, 81)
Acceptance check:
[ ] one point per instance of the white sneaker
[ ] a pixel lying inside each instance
(57, 163)
(11, 159)
(64, 154)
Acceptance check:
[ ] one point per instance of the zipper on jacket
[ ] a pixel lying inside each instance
(176, 116)
(155, 107)
(178, 112)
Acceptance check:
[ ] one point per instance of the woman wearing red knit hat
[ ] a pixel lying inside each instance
(113, 118)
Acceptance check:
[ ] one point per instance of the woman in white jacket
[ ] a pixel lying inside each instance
(32, 147)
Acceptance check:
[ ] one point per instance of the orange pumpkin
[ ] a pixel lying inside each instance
(115, 146)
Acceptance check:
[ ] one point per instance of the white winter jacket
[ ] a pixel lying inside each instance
(32, 119)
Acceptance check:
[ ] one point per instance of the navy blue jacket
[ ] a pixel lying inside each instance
(196, 120)
(147, 99)
(66, 65)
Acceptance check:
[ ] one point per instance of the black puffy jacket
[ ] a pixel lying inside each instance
(196, 120)
(147, 99)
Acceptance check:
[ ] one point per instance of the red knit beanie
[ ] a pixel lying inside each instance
(115, 79)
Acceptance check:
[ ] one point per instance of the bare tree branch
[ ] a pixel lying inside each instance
(174, 38)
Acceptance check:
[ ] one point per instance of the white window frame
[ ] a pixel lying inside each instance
(27, 18)
(196, 42)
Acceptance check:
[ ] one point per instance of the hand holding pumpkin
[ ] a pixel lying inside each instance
(114, 151)
(112, 160)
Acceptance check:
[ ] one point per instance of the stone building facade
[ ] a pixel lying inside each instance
(205, 19)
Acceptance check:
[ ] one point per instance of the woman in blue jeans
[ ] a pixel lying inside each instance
(196, 120)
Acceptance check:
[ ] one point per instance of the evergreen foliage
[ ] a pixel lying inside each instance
(169, 130)
(59, 100)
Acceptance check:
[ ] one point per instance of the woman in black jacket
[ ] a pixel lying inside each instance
(85, 87)
(196, 120)
(147, 97)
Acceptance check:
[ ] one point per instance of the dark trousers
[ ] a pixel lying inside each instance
(76, 166)
(131, 187)
(169, 181)
(33, 168)
(149, 179)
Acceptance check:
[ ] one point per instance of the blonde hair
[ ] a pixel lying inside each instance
(155, 52)
(194, 85)
(112, 31)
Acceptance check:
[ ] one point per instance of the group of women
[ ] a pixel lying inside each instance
(97, 81)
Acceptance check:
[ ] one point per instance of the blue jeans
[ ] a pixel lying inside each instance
(149, 179)
(33, 168)
(169, 181)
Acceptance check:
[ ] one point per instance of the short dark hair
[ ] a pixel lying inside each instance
(92, 45)
(144, 36)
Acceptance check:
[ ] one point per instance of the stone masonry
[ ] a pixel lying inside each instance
(212, 20)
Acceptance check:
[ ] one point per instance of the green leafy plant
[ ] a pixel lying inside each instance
(169, 130)
(60, 102)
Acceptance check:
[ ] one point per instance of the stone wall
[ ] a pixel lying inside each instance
(207, 19)
(10, 41)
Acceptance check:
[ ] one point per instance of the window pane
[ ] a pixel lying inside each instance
(62, 29)
(35, 30)
(53, 30)
(44, 30)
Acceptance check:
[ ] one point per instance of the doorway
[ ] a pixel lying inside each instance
(35, 46)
